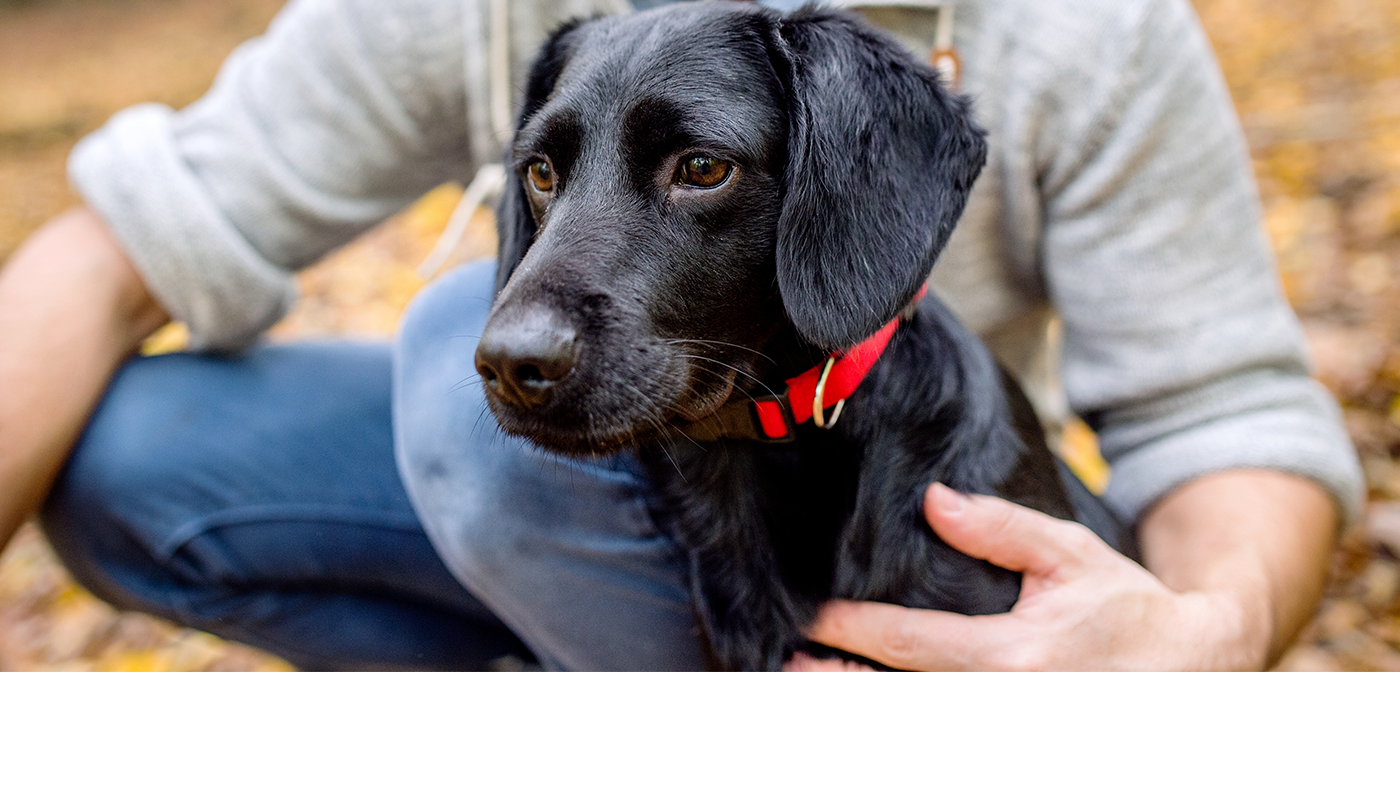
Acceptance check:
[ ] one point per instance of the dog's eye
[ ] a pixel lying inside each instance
(704, 171)
(541, 176)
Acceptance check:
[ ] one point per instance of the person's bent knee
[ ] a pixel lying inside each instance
(118, 480)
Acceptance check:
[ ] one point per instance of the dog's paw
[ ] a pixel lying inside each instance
(761, 644)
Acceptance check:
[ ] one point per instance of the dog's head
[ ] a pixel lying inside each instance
(688, 186)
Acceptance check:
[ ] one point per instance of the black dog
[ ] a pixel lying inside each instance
(709, 200)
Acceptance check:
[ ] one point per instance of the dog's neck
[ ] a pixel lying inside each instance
(818, 394)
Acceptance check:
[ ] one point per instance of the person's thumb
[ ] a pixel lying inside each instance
(1008, 535)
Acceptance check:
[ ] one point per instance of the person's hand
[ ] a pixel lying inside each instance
(1083, 606)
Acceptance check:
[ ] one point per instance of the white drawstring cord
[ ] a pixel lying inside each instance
(490, 179)
(489, 182)
(945, 56)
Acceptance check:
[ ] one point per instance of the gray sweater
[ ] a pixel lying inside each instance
(1112, 250)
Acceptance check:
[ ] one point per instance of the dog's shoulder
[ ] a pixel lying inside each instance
(937, 390)
(940, 396)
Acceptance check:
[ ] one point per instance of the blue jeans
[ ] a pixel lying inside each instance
(351, 507)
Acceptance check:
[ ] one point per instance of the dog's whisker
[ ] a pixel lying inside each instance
(724, 364)
(667, 429)
(474, 380)
(479, 417)
(659, 420)
(717, 343)
(718, 374)
(674, 463)
(651, 415)
(737, 386)
(687, 436)
(744, 373)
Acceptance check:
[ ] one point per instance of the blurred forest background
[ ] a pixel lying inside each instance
(1316, 82)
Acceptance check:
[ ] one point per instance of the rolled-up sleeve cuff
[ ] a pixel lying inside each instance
(1307, 442)
(194, 261)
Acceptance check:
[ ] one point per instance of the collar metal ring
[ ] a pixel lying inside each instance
(818, 416)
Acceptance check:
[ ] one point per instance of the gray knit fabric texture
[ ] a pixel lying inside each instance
(1117, 200)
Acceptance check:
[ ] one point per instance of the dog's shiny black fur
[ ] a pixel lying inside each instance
(654, 302)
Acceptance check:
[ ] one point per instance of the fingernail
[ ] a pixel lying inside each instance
(948, 502)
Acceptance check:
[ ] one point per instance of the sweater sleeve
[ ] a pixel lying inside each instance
(344, 112)
(1179, 347)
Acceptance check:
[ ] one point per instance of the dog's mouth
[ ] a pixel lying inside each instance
(609, 410)
(578, 432)
(705, 396)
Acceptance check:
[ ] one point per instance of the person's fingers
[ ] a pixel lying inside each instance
(1008, 535)
(988, 528)
(806, 662)
(908, 638)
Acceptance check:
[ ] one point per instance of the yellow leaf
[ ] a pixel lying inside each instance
(169, 339)
(1079, 448)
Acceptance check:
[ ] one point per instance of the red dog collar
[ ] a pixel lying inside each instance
(808, 396)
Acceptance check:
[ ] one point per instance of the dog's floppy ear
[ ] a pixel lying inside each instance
(515, 224)
(881, 158)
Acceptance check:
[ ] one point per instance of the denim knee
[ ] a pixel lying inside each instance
(183, 443)
(532, 509)
(86, 517)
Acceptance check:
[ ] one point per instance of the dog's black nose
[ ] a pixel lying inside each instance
(524, 355)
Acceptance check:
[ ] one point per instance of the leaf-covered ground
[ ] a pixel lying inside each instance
(1318, 89)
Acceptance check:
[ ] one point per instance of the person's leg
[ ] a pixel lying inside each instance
(565, 551)
(256, 497)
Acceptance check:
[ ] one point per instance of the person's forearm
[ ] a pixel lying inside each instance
(1257, 542)
(72, 307)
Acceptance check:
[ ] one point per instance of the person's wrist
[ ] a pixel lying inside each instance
(1228, 633)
